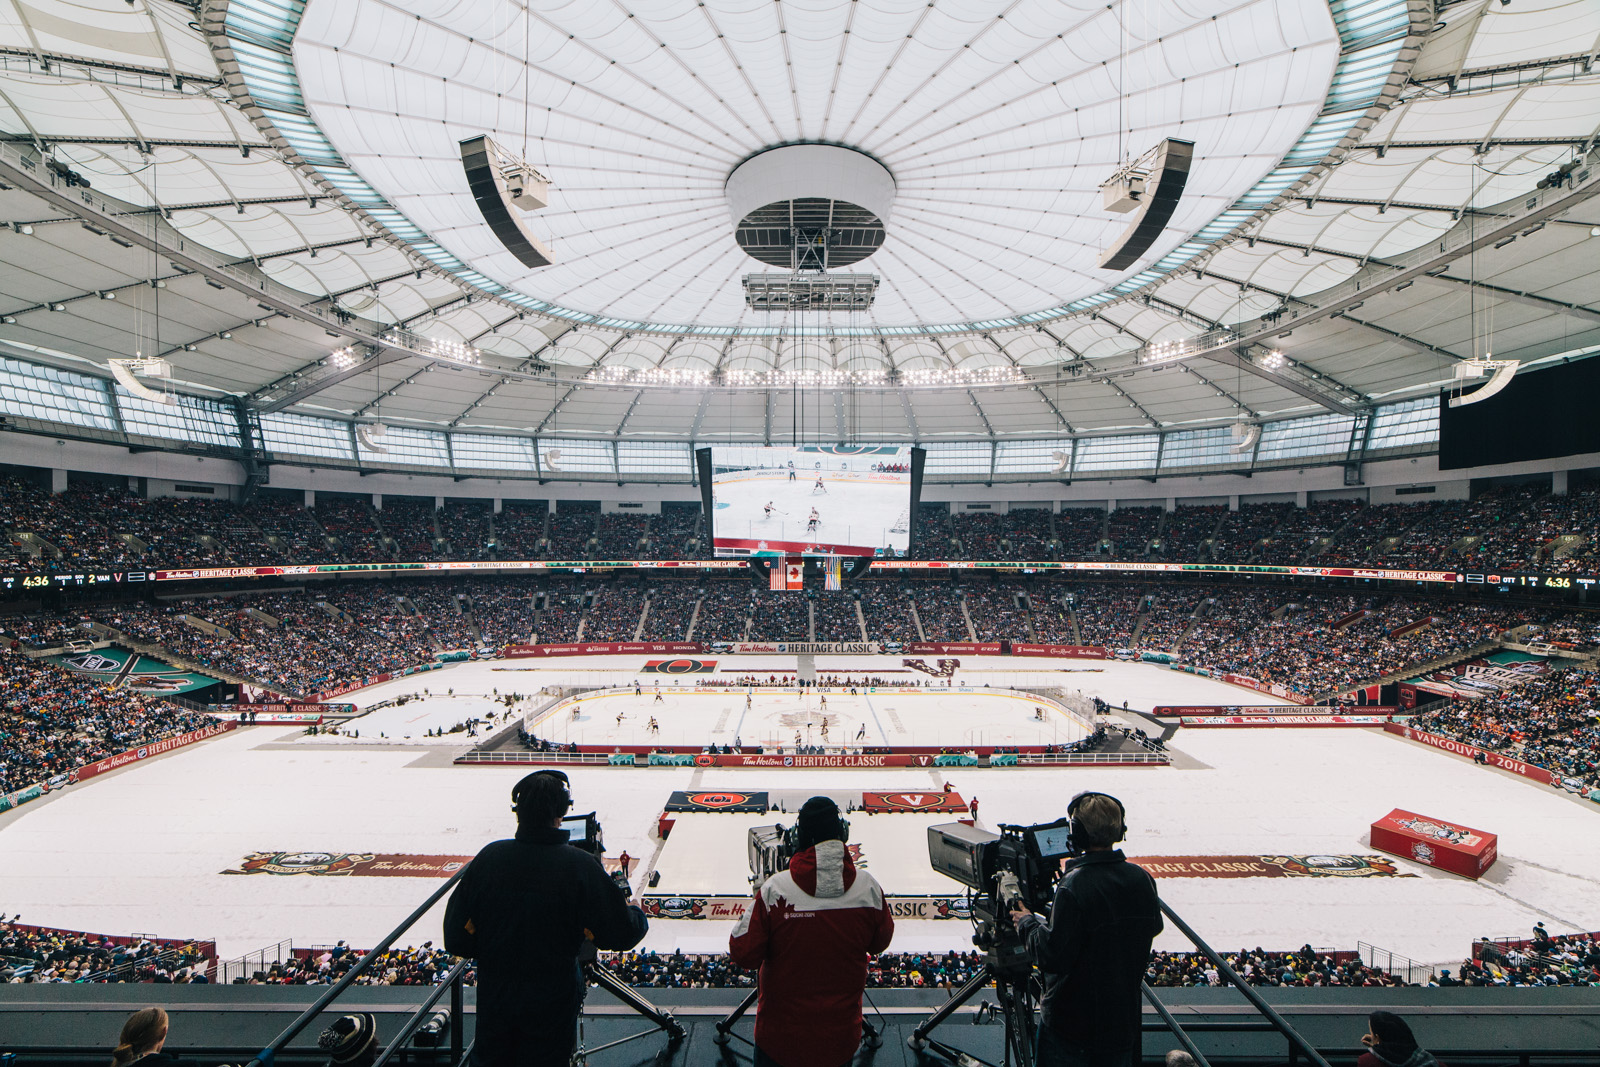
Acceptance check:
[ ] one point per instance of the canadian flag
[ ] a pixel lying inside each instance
(797, 575)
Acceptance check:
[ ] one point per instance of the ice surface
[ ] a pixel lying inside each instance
(141, 849)
(866, 514)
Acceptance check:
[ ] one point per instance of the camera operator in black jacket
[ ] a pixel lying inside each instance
(523, 910)
(1095, 948)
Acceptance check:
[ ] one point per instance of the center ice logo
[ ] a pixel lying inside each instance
(719, 800)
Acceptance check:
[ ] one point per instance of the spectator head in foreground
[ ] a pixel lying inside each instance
(1390, 1043)
(1095, 947)
(810, 930)
(142, 1037)
(528, 909)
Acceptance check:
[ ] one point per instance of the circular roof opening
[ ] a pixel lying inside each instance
(810, 206)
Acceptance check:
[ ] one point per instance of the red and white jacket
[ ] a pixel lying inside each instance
(810, 930)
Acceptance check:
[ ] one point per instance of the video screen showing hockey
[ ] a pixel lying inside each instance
(836, 500)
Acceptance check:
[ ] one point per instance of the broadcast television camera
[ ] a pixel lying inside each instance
(1018, 865)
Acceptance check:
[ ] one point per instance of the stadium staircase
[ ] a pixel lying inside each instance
(861, 618)
(966, 618)
(694, 617)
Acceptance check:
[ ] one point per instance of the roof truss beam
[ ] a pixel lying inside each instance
(1518, 296)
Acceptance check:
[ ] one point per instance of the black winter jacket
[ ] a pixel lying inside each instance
(1094, 952)
(529, 901)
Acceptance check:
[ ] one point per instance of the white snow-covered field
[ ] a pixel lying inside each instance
(141, 849)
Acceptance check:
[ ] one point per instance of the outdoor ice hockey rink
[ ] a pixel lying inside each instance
(169, 826)
(774, 717)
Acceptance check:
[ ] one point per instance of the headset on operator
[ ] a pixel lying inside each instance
(1087, 979)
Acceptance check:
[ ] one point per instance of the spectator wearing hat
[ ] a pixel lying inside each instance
(524, 909)
(351, 1041)
(1390, 1043)
(810, 930)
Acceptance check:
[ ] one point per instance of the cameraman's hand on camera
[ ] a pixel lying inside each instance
(1019, 910)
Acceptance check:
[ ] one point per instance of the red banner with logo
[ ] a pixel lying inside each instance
(603, 648)
(154, 748)
(350, 864)
(351, 687)
(1283, 720)
(912, 801)
(1264, 687)
(1202, 710)
(898, 759)
(976, 648)
(1461, 748)
(1436, 843)
(1059, 651)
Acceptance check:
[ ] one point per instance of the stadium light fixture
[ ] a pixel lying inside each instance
(1245, 435)
(1273, 360)
(125, 371)
(371, 437)
(1469, 369)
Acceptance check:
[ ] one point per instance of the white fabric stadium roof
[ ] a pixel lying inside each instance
(312, 147)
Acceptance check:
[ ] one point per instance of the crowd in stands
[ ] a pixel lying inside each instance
(42, 954)
(1542, 960)
(1258, 967)
(53, 721)
(1312, 642)
(104, 524)
(671, 609)
(776, 616)
(1550, 722)
(325, 966)
(835, 618)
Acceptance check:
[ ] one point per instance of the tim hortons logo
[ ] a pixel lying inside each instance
(719, 800)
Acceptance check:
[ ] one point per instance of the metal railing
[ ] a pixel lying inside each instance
(528, 755)
(1080, 758)
(248, 964)
(1298, 1045)
(1402, 967)
(451, 982)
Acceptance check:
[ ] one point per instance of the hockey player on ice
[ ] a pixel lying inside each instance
(813, 522)
(767, 510)
(819, 487)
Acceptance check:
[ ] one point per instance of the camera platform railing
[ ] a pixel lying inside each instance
(871, 1036)
(1016, 1003)
(453, 983)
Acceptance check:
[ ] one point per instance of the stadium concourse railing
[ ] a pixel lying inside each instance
(452, 983)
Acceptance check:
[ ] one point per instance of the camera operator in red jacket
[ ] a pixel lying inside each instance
(810, 930)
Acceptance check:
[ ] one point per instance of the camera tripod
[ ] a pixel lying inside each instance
(870, 1035)
(596, 972)
(1016, 1011)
